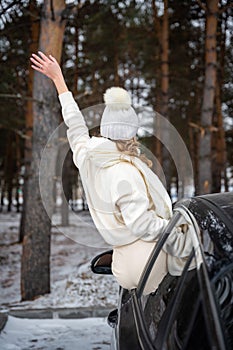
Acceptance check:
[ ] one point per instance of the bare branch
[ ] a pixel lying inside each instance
(18, 132)
(226, 7)
(202, 5)
(20, 97)
(157, 24)
(85, 93)
(71, 9)
(28, 98)
(11, 4)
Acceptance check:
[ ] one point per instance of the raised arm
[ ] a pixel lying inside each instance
(77, 133)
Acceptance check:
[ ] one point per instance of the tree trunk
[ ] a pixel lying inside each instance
(76, 70)
(18, 158)
(116, 68)
(164, 91)
(35, 31)
(156, 146)
(219, 142)
(1, 194)
(205, 176)
(66, 184)
(63, 172)
(35, 267)
(164, 61)
(9, 169)
(162, 30)
(219, 158)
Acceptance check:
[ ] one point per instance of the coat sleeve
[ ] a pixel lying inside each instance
(77, 132)
(179, 243)
(182, 240)
(131, 199)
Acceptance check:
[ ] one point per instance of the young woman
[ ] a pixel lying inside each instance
(129, 205)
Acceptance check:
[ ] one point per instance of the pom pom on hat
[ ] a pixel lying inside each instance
(117, 98)
(119, 120)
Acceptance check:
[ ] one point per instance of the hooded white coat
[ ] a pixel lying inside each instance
(127, 201)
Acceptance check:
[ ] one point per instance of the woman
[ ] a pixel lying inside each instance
(128, 203)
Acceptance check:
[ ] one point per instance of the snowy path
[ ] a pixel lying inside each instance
(56, 334)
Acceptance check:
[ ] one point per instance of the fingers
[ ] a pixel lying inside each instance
(36, 59)
(36, 68)
(40, 62)
(53, 59)
(45, 58)
(36, 62)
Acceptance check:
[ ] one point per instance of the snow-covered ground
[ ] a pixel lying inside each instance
(79, 334)
(73, 285)
(72, 282)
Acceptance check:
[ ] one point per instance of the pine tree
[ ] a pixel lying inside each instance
(35, 267)
(205, 160)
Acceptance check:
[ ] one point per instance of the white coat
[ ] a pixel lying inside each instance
(127, 201)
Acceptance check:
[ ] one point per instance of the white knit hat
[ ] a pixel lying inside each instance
(119, 120)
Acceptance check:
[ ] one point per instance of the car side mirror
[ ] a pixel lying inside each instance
(101, 264)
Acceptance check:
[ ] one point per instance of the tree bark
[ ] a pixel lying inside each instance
(35, 267)
(66, 184)
(116, 64)
(162, 29)
(164, 61)
(35, 31)
(9, 168)
(219, 142)
(76, 70)
(18, 158)
(156, 146)
(205, 176)
(63, 172)
(164, 90)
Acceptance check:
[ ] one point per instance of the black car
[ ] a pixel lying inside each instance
(194, 310)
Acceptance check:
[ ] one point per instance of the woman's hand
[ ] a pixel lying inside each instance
(46, 65)
(49, 66)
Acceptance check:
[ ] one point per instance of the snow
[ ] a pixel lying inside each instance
(74, 290)
(72, 282)
(55, 334)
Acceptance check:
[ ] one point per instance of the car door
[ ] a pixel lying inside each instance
(182, 313)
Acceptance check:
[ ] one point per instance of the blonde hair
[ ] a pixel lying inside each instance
(132, 148)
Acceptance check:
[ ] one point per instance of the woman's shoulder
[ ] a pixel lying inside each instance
(125, 170)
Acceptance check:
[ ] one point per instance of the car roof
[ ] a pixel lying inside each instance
(224, 201)
(214, 214)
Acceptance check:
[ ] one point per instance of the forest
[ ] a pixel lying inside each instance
(174, 57)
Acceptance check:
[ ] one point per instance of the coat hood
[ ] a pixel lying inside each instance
(103, 153)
